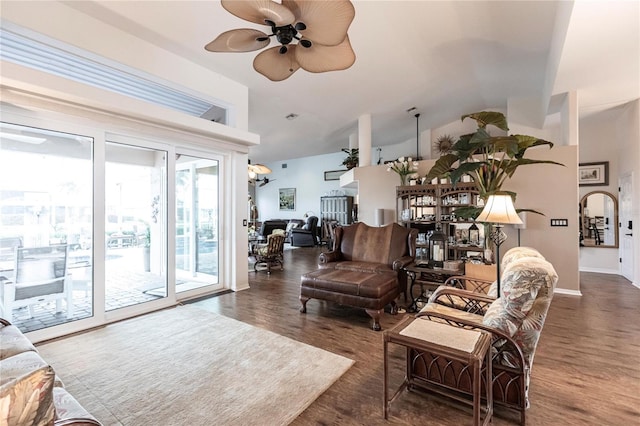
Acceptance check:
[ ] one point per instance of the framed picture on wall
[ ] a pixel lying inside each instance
(287, 199)
(333, 174)
(593, 174)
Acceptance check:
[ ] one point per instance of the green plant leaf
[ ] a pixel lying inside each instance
(511, 167)
(468, 212)
(484, 118)
(530, 211)
(465, 168)
(442, 166)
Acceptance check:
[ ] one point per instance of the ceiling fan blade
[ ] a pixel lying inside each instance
(327, 21)
(259, 11)
(319, 58)
(277, 66)
(240, 40)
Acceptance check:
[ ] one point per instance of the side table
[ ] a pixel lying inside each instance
(428, 279)
(470, 347)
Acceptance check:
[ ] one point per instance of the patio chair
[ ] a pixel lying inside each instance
(271, 253)
(40, 275)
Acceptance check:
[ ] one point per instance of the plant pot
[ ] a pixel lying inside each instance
(146, 258)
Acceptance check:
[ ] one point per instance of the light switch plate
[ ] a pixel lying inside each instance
(559, 222)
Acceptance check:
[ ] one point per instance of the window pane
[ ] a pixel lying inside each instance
(46, 198)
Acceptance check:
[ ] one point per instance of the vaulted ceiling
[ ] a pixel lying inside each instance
(445, 58)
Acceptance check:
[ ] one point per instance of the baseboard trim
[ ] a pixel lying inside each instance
(568, 292)
(600, 271)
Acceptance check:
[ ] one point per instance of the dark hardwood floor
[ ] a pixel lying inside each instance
(586, 369)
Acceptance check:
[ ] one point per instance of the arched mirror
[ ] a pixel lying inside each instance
(599, 220)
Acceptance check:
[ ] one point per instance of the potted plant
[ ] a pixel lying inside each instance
(488, 160)
(146, 249)
(352, 158)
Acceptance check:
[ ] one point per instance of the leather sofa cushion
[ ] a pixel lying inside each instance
(355, 266)
(357, 283)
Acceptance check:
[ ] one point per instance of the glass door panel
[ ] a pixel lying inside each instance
(46, 219)
(135, 225)
(197, 220)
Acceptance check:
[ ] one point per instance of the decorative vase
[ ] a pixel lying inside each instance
(403, 180)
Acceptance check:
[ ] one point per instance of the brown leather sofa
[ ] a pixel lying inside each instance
(364, 269)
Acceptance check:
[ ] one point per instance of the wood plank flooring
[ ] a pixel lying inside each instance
(586, 369)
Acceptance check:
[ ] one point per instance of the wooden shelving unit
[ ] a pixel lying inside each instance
(426, 207)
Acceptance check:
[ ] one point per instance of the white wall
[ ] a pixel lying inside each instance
(306, 175)
(627, 132)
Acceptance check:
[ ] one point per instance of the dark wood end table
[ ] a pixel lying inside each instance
(428, 279)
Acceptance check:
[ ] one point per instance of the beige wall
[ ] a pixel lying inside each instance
(551, 190)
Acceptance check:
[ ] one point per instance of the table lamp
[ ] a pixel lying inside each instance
(499, 210)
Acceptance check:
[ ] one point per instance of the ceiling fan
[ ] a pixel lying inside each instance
(258, 169)
(264, 181)
(312, 35)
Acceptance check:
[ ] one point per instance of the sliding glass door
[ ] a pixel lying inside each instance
(197, 222)
(135, 225)
(85, 218)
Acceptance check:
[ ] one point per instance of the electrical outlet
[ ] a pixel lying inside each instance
(559, 222)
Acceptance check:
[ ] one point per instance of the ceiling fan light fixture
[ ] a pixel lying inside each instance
(318, 26)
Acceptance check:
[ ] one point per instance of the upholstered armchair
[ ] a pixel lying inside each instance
(271, 253)
(307, 235)
(268, 226)
(515, 321)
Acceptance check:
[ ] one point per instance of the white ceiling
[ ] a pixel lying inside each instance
(446, 58)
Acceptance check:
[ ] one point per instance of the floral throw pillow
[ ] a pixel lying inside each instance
(28, 400)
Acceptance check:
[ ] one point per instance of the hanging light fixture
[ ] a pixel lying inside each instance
(414, 111)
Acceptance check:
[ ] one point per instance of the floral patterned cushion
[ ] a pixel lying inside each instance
(527, 286)
(27, 400)
(13, 342)
(67, 407)
(511, 255)
(18, 365)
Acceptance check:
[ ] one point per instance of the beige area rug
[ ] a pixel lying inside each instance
(188, 366)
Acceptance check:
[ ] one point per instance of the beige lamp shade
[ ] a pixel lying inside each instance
(499, 209)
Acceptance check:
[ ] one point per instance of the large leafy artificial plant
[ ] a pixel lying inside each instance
(489, 160)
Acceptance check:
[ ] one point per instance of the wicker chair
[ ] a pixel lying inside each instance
(271, 253)
(515, 321)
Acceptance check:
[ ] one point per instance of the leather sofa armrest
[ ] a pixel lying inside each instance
(398, 264)
(328, 257)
